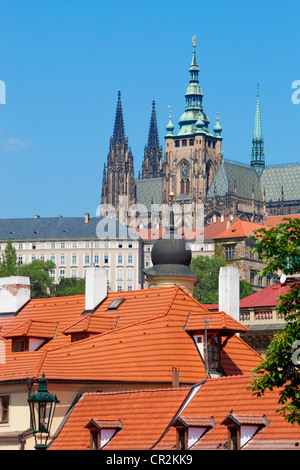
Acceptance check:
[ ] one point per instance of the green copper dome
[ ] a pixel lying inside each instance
(217, 128)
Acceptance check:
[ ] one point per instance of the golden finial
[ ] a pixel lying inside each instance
(194, 40)
(169, 109)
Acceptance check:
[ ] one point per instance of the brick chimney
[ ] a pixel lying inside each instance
(95, 287)
(229, 291)
(14, 294)
(86, 218)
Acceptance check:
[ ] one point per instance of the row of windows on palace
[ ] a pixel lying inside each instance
(72, 245)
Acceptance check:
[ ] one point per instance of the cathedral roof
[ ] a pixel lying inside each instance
(236, 177)
(149, 191)
(274, 179)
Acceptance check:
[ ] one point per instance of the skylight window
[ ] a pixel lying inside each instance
(115, 304)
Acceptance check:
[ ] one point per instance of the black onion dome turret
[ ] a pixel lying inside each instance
(171, 250)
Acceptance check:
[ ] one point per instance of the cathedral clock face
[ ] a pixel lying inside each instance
(185, 172)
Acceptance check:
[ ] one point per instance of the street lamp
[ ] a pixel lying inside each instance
(42, 406)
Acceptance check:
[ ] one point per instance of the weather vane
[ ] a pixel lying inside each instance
(194, 40)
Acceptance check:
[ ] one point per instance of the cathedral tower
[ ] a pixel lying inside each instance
(152, 165)
(118, 175)
(194, 154)
(258, 153)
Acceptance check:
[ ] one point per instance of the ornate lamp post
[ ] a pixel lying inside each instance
(42, 405)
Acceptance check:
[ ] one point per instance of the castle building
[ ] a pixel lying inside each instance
(193, 168)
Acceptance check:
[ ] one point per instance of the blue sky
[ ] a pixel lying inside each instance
(64, 61)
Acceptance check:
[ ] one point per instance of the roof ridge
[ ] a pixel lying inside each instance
(41, 362)
(139, 390)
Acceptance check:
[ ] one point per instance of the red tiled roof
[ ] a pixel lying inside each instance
(148, 343)
(216, 321)
(240, 229)
(222, 396)
(216, 228)
(148, 417)
(33, 329)
(144, 415)
(271, 220)
(265, 297)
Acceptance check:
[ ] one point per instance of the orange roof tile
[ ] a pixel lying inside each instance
(33, 329)
(240, 229)
(216, 228)
(144, 415)
(142, 351)
(216, 321)
(148, 417)
(222, 396)
(271, 220)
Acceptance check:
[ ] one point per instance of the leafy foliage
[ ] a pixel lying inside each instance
(68, 286)
(39, 274)
(279, 249)
(206, 289)
(8, 266)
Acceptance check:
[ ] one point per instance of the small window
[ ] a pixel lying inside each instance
(95, 440)
(233, 438)
(62, 245)
(230, 252)
(181, 440)
(4, 406)
(96, 259)
(19, 344)
(105, 259)
(74, 244)
(191, 141)
(115, 304)
(184, 143)
(177, 143)
(120, 245)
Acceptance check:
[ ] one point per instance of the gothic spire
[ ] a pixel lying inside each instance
(152, 164)
(258, 153)
(119, 132)
(153, 141)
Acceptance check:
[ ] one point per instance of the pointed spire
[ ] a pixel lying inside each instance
(258, 153)
(152, 164)
(257, 124)
(119, 132)
(153, 140)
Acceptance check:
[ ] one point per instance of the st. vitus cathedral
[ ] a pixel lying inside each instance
(192, 167)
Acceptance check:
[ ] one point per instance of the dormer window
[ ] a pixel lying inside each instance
(189, 430)
(102, 431)
(241, 428)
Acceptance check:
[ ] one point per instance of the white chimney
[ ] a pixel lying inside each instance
(95, 287)
(14, 293)
(229, 291)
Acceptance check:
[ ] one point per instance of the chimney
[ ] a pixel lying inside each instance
(14, 294)
(175, 377)
(229, 291)
(86, 218)
(95, 287)
(222, 217)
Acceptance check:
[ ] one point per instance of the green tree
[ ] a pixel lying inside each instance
(207, 268)
(68, 286)
(8, 266)
(245, 289)
(40, 280)
(279, 249)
